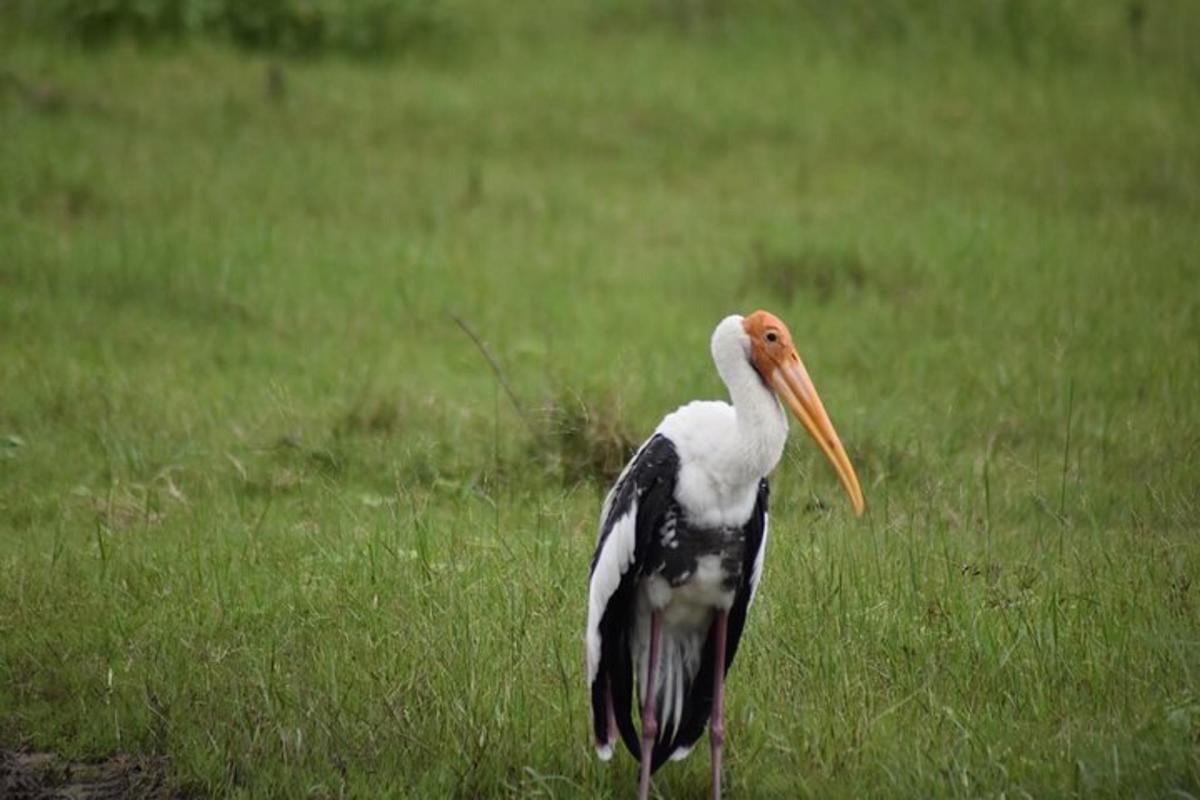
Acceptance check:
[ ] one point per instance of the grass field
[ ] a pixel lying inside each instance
(266, 513)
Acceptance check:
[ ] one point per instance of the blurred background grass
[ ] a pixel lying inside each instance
(1126, 32)
(265, 510)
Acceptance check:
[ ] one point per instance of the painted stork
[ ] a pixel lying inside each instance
(681, 543)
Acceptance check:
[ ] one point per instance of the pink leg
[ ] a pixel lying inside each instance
(716, 726)
(612, 714)
(649, 721)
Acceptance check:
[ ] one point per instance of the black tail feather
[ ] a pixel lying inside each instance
(697, 707)
(621, 674)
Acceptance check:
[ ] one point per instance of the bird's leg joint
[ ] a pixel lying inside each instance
(716, 731)
(649, 726)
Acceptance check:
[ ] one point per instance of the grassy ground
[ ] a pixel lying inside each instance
(264, 510)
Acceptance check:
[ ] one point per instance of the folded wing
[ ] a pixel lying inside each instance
(633, 511)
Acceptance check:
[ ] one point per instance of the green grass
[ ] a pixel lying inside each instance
(264, 510)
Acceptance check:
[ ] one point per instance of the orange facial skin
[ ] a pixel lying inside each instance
(775, 359)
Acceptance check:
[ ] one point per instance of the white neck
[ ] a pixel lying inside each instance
(761, 423)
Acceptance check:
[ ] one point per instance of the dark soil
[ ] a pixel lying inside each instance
(26, 775)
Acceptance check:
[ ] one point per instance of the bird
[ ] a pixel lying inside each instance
(680, 548)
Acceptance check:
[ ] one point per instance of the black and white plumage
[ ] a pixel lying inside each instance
(683, 535)
(669, 547)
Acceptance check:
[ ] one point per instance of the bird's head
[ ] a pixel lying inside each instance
(774, 357)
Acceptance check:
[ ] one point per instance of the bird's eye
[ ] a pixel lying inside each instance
(772, 336)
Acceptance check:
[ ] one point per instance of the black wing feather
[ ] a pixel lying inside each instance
(650, 480)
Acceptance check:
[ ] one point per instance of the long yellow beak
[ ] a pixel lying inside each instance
(796, 390)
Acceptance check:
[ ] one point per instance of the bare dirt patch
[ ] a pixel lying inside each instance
(27, 775)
